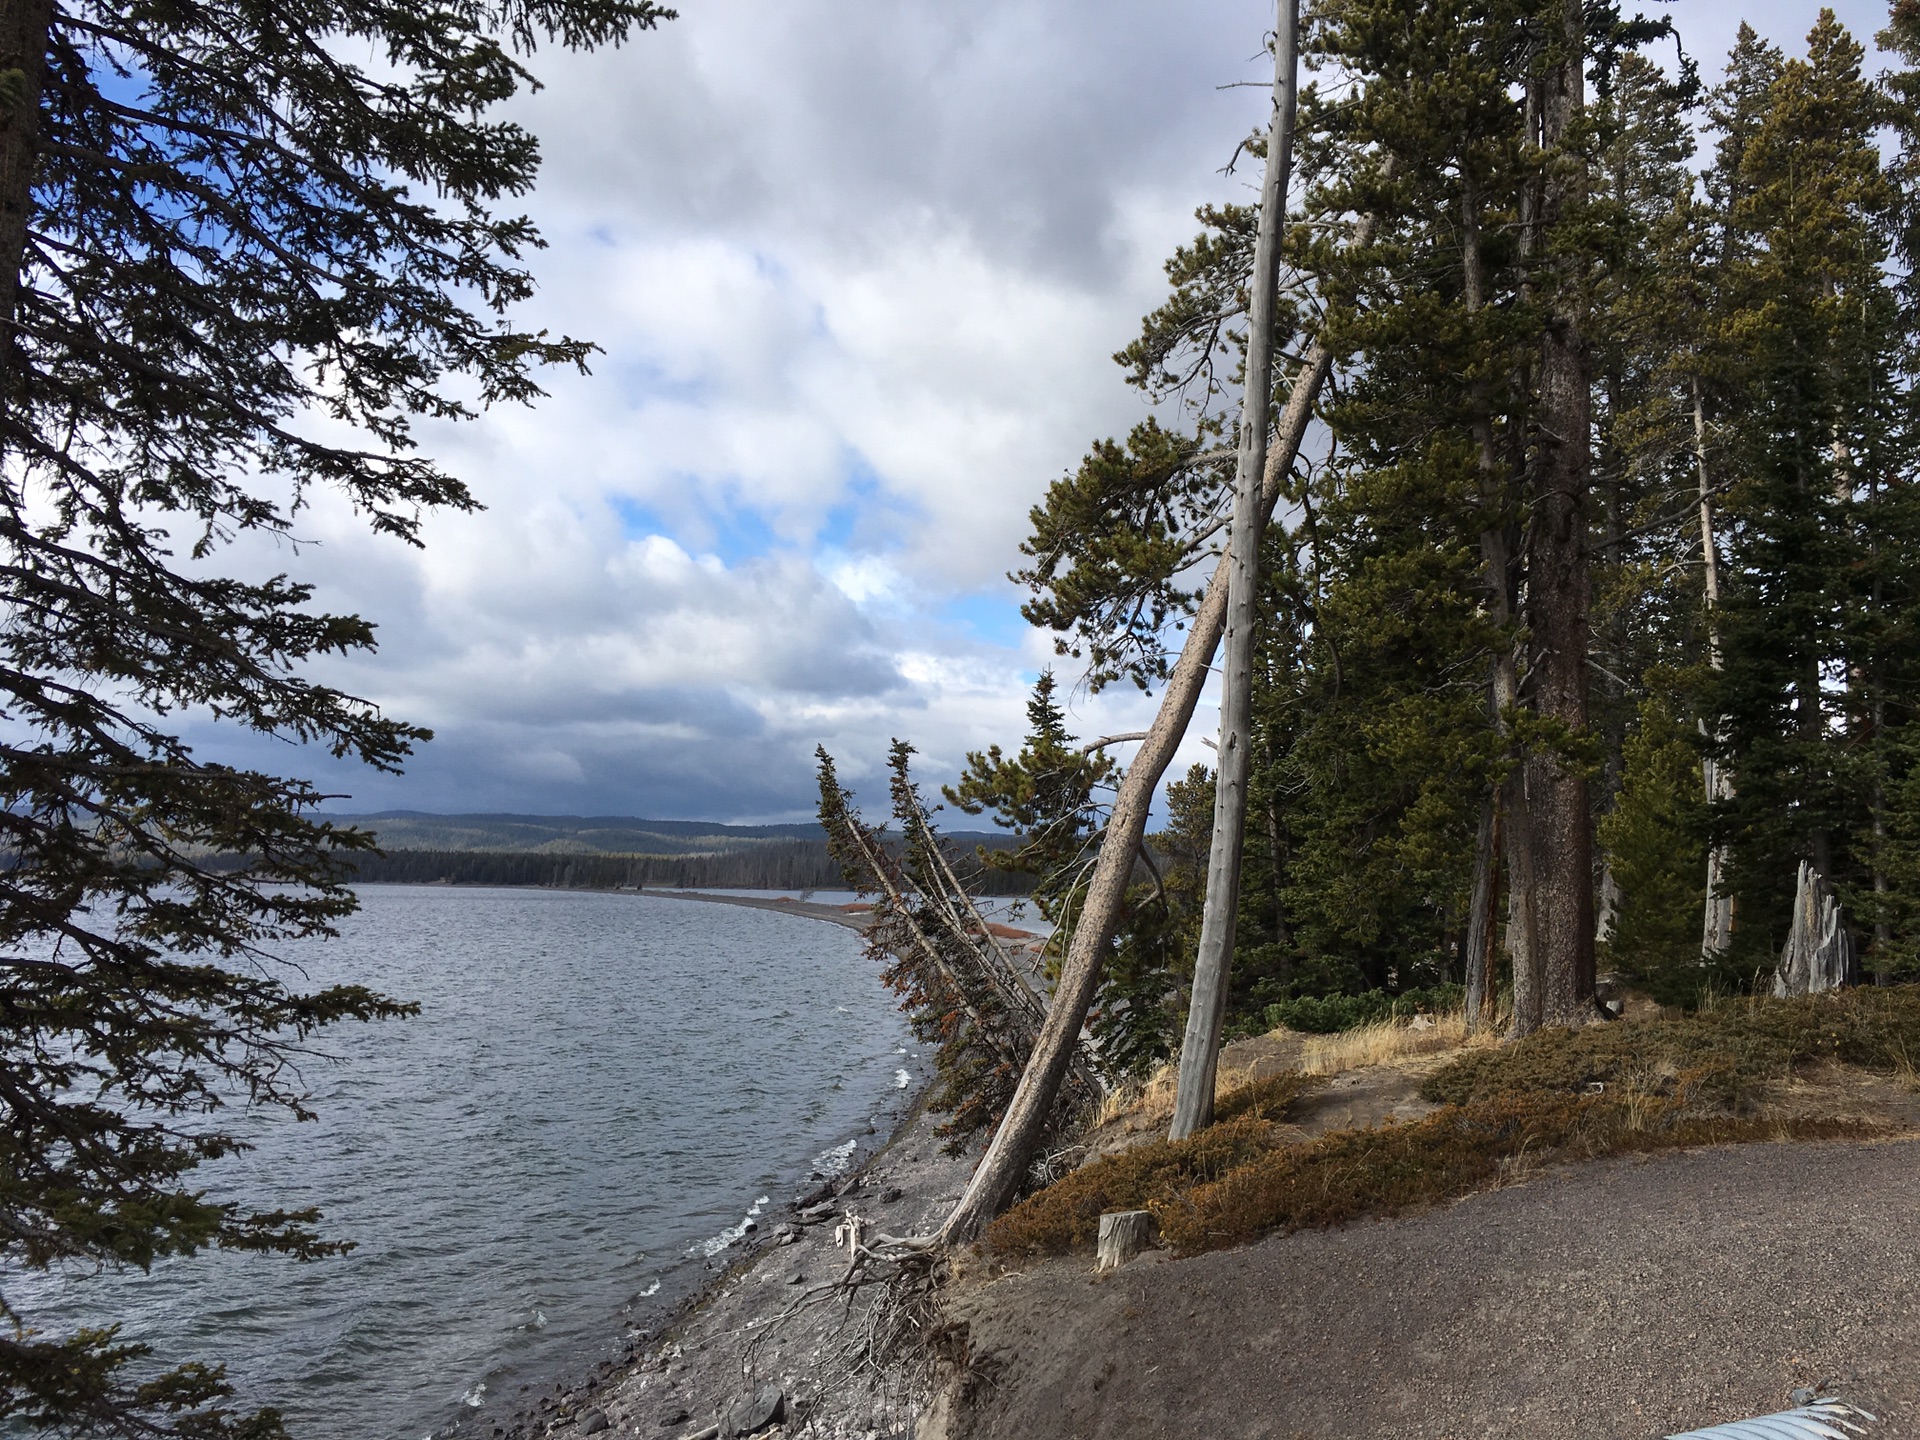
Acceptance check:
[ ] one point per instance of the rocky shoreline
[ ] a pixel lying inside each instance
(767, 1347)
(763, 1334)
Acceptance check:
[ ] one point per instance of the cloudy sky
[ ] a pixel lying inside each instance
(857, 269)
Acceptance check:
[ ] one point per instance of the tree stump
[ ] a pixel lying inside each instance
(1819, 953)
(1123, 1235)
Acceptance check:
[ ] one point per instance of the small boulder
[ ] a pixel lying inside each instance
(891, 1194)
(594, 1421)
(754, 1412)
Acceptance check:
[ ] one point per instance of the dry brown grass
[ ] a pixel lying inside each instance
(1386, 1041)
(1149, 1104)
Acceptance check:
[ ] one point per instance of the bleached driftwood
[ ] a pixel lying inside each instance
(1819, 953)
(1123, 1235)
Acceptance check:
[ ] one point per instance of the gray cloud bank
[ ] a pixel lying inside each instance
(857, 270)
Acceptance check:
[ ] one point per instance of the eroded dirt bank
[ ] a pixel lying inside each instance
(1625, 1299)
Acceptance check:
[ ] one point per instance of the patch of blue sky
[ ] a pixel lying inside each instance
(862, 520)
(992, 616)
(734, 535)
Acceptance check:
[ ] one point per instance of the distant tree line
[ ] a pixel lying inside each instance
(781, 865)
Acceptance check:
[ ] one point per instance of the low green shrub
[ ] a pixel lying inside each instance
(1389, 1168)
(1325, 1014)
(1557, 1096)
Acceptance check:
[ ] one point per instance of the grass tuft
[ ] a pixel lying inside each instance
(1382, 1042)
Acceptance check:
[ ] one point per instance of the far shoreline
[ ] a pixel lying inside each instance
(852, 918)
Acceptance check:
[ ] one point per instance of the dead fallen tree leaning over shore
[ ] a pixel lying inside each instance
(1004, 1168)
(980, 999)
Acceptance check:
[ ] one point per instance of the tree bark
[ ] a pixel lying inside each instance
(24, 28)
(1557, 614)
(1504, 814)
(1004, 1166)
(1480, 949)
(1206, 1014)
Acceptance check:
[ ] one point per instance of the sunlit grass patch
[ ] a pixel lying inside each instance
(1383, 1042)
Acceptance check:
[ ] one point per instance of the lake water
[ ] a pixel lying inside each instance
(598, 1090)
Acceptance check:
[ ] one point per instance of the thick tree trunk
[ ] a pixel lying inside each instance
(1508, 855)
(1480, 951)
(1004, 1166)
(1557, 619)
(24, 27)
(1206, 1015)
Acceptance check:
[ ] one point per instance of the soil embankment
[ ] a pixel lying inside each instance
(1621, 1300)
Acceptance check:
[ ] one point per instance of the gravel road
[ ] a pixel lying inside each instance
(1620, 1300)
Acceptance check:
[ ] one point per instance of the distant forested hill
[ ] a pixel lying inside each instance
(569, 834)
(605, 851)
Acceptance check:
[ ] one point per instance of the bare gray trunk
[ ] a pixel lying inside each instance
(1819, 954)
(1200, 1051)
(1003, 1168)
(1480, 950)
(1504, 820)
(1717, 932)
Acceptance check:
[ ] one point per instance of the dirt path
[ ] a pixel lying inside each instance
(1621, 1300)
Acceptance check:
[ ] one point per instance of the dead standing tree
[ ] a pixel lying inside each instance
(1005, 1166)
(1206, 1014)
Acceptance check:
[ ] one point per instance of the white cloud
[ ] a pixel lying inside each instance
(857, 269)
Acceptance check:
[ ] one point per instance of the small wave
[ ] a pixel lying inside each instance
(476, 1397)
(539, 1321)
(901, 1079)
(831, 1162)
(653, 1289)
(732, 1235)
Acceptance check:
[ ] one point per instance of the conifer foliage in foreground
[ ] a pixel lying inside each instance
(217, 228)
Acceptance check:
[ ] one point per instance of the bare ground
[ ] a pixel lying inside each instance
(1619, 1300)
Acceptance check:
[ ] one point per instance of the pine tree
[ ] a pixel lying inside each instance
(1807, 308)
(216, 225)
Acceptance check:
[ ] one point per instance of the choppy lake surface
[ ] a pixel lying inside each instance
(598, 1089)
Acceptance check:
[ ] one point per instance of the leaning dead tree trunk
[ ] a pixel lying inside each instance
(1005, 1164)
(1206, 1014)
(1819, 954)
